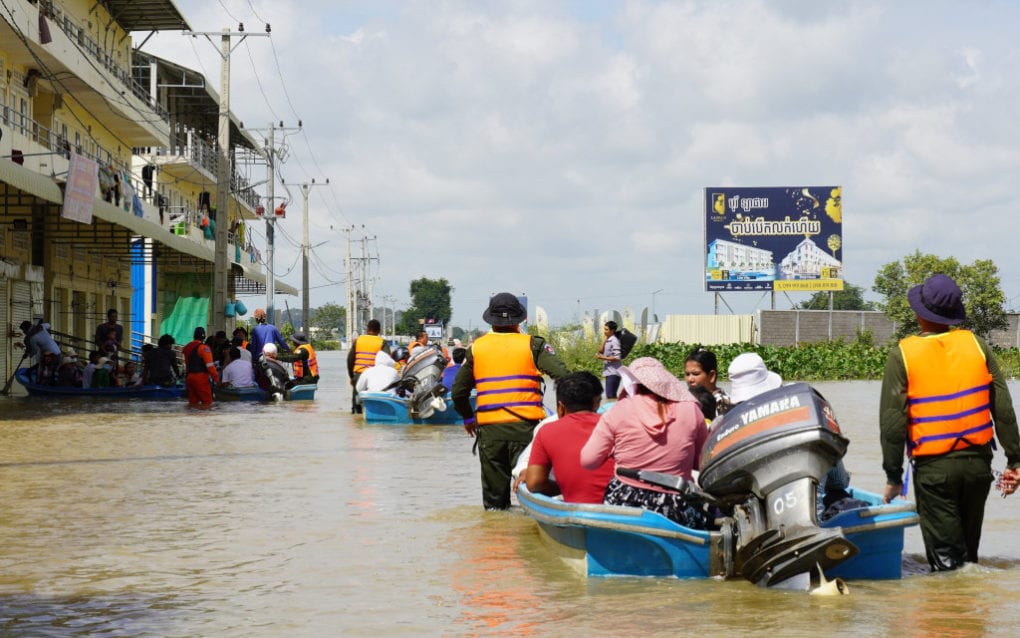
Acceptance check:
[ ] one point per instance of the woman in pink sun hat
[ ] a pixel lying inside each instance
(658, 426)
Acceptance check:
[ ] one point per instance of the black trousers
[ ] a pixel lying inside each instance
(355, 406)
(499, 446)
(951, 492)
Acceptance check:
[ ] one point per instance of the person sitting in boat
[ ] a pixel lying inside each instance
(700, 369)
(420, 341)
(238, 373)
(241, 333)
(102, 377)
(129, 375)
(400, 355)
(163, 368)
(706, 400)
(303, 360)
(557, 445)
(450, 372)
(380, 377)
(68, 374)
(657, 425)
(271, 376)
(749, 377)
(239, 341)
(90, 370)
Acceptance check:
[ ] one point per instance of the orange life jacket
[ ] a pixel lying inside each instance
(509, 384)
(948, 393)
(313, 364)
(365, 349)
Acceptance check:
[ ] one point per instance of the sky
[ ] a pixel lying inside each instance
(560, 149)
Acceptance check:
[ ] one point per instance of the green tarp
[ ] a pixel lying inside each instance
(188, 314)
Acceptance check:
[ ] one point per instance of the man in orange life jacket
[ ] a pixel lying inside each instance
(361, 355)
(943, 397)
(306, 366)
(506, 368)
(198, 361)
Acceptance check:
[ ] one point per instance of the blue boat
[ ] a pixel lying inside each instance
(305, 392)
(160, 392)
(383, 408)
(760, 468)
(609, 540)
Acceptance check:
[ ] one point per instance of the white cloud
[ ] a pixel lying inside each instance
(544, 148)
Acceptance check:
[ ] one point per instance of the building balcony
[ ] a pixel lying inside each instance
(75, 64)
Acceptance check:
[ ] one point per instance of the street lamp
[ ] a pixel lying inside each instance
(654, 318)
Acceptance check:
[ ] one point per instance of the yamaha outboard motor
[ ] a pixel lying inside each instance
(765, 457)
(421, 383)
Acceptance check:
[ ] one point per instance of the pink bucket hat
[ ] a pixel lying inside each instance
(653, 375)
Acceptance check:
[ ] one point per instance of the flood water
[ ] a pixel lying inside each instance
(297, 519)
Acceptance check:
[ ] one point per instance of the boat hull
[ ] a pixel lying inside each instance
(383, 408)
(157, 392)
(254, 393)
(609, 540)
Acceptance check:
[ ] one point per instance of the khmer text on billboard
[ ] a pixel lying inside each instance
(786, 238)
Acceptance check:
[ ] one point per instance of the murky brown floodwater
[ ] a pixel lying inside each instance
(150, 519)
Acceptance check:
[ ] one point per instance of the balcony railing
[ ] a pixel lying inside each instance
(87, 45)
(176, 217)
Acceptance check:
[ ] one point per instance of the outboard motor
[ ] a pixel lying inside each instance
(765, 457)
(421, 383)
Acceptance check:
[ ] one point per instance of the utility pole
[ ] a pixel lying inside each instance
(350, 290)
(304, 253)
(270, 153)
(221, 264)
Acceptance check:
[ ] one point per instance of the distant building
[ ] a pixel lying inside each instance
(808, 261)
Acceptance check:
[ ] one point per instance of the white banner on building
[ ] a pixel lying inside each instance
(80, 192)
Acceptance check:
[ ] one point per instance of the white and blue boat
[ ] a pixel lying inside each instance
(609, 540)
(385, 408)
(760, 467)
(302, 392)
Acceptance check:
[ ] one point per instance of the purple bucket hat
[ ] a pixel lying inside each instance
(938, 300)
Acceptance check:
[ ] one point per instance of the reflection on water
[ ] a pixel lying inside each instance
(150, 519)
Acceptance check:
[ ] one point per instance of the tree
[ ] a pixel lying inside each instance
(328, 318)
(982, 295)
(850, 298)
(430, 299)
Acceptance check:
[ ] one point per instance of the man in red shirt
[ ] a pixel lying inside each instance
(557, 445)
(198, 361)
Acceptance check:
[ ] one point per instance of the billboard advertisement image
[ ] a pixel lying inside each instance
(782, 238)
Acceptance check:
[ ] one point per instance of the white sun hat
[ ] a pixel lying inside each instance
(749, 377)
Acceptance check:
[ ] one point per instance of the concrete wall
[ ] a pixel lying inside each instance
(790, 327)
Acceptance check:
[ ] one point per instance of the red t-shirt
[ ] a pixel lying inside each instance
(558, 445)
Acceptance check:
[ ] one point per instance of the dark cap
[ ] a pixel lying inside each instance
(504, 310)
(199, 333)
(938, 300)
(299, 338)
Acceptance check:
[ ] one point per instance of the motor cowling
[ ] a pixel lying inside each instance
(765, 457)
(421, 382)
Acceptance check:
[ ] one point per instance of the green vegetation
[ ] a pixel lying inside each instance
(979, 282)
(826, 361)
(430, 299)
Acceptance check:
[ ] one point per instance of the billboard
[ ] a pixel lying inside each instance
(783, 238)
